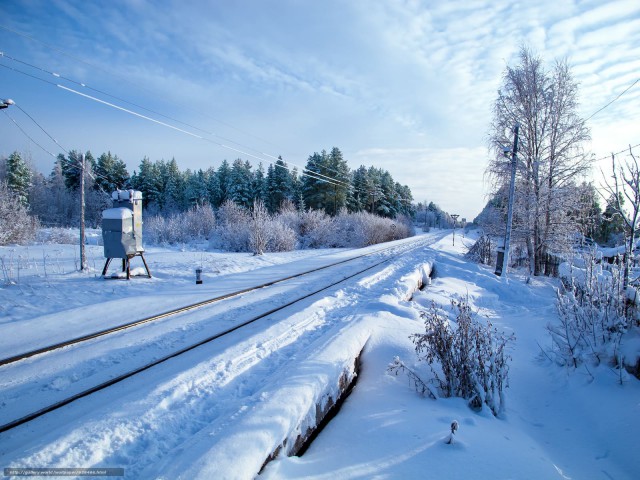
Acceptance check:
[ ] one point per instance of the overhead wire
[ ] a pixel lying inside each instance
(40, 126)
(60, 158)
(27, 135)
(312, 174)
(84, 85)
(617, 153)
(612, 101)
(123, 77)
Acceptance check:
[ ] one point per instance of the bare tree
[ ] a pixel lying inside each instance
(625, 184)
(259, 234)
(550, 156)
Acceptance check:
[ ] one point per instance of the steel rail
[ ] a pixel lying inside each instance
(55, 406)
(168, 313)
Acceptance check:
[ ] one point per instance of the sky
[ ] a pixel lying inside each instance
(407, 86)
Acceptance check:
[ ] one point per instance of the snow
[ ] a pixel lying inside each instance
(117, 213)
(126, 195)
(219, 411)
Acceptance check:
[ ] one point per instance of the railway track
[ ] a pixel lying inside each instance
(210, 338)
(172, 312)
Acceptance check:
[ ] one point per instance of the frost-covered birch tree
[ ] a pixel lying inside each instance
(551, 159)
(625, 185)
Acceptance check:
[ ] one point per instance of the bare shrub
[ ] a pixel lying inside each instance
(469, 361)
(316, 228)
(199, 222)
(281, 238)
(16, 225)
(481, 252)
(292, 219)
(233, 229)
(58, 236)
(258, 235)
(594, 315)
(194, 224)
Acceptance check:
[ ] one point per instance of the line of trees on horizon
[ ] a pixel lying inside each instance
(327, 184)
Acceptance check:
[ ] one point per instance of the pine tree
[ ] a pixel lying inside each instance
(279, 185)
(213, 188)
(18, 178)
(173, 187)
(313, 190)
(259, 185)
(240, 184)
(224, 181)
(71, 167)
(196, 192)
(612, 225)
(326, 181)
(338, 171)
(359, 190)
(111, 173)
(148, 182)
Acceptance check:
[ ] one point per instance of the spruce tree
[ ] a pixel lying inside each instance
(111, 173)
(224, 181)
(240, 184)
(279, 185)
(18, 178)
(259, 185)
(213, 188)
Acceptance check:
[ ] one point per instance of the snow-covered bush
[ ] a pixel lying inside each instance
(280, 237)
(195, 224)
(481, 252)
(258, 236)
(594, 315)
(404, 227)
(269, 234)
(16, 225)
(361, 229)
(291, 218)
(58, 236)
(199, 222)
(468, 361)
(239, 230)
(232, 230)
(316, 229)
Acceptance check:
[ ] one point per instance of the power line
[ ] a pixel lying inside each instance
(81, 84)
(617, 153)
(26, 134)
(316, 175)
(123, 77)
(621, 94)
(126, 110)
(46, 133)
(61, 159)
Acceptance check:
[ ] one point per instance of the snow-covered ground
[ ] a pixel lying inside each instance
(220, 410)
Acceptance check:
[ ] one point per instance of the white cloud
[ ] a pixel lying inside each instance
(416, 79)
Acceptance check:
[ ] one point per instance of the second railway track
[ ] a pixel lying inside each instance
(8, 425)
(100, 333)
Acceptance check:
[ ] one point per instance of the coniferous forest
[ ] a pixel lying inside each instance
(179, 202)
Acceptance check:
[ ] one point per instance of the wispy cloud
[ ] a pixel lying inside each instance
(408, 84)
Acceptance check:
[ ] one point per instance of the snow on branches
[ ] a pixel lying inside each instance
(594, 314)
(469, 360)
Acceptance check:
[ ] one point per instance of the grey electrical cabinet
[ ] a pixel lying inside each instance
(122, 229)
(118, 234)
(122, 225)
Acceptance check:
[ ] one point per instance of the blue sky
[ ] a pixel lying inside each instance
(407, 86)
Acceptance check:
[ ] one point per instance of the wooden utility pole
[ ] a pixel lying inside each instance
(500, 269)
(83, 255)
(455, 219)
